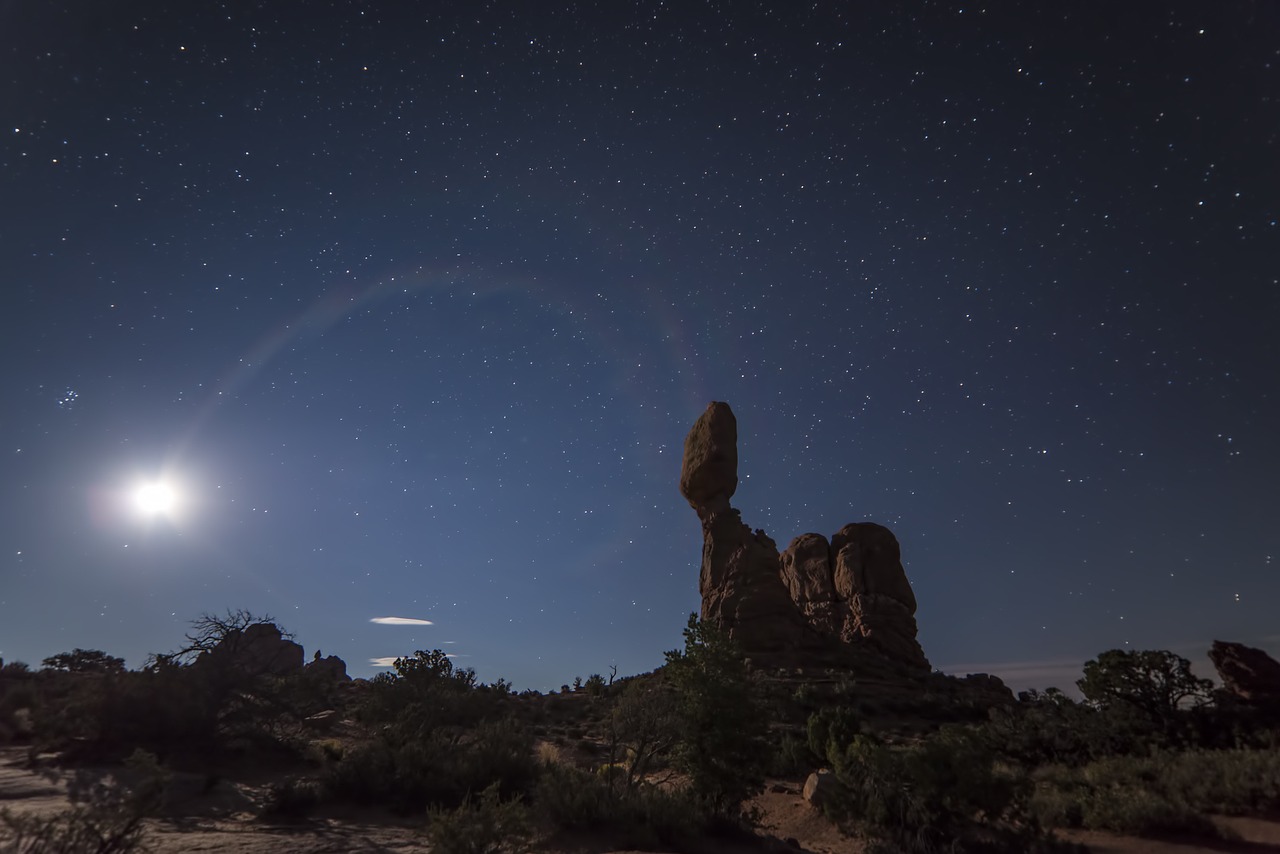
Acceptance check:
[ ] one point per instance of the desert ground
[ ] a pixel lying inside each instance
(223, 816)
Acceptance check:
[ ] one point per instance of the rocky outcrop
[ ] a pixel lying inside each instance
(259, 649)
(327, 669)
(819, 600)
(855, 589)
(1247, 673)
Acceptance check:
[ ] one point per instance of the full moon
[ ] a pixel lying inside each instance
(155, 499)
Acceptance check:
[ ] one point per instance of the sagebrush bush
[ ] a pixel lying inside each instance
(643, 816)
(438, 769)
(482, 825)
(1159, 794)
(291, 798)
(946, 794)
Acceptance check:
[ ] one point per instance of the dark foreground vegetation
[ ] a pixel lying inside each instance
(669, 760)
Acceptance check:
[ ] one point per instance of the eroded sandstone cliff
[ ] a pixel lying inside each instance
(821, 601)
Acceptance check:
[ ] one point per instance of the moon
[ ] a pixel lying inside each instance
(155, 499)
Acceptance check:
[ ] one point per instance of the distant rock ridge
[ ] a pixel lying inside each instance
(262, 649)
(818, 602)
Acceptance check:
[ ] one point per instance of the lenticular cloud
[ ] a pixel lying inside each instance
(401, 621)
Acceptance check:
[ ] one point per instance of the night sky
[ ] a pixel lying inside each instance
(411, 305)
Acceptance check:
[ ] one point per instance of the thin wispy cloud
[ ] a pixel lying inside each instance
(390, 660)
(401, 621)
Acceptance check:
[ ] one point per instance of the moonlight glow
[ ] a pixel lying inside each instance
(155, 499)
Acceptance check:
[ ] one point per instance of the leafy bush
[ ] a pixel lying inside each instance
(486, 825)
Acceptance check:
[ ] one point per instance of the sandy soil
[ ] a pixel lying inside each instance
(222, 817)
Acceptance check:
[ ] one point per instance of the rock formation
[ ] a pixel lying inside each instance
(327, 669)
(257, 649)
(1248, 673)
(819, 601)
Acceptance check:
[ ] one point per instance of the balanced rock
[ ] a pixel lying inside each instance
(709, 469)
(819, 601)
(1248, 673)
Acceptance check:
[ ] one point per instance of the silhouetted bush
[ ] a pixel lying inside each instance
(84, 661)
(1154, 684)
(408, 772)
(104, 717)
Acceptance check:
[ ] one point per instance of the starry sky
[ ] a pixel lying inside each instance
(410, 307)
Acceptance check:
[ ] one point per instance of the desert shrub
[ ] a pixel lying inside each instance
(946, 794)
(198, 701)
(483, 825)
(633, 817)
(1161, 793)
(792, 756)
(106, 817)
(1051, 728)
(426, 692)
(1108, 795)
(642, 731)
(722, 727)
(1229, 722)
(105, 717)
(594, 685)
(365, 774)
(1236, 782)
(832, 728)
(440, 768)
(291, 799)
(84, 661)
(1134, 811)
(325, 750)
